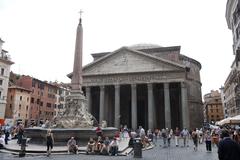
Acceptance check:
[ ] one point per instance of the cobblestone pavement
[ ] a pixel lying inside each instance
(158, 152)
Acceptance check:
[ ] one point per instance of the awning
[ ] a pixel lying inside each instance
(229, 120)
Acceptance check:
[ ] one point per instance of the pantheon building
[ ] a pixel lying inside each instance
(146, 85)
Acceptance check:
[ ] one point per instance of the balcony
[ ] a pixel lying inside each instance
(5, 56)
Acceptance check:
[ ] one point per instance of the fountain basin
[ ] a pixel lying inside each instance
(61, 136)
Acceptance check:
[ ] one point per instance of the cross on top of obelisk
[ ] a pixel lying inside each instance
(80, 20)
(80, 12)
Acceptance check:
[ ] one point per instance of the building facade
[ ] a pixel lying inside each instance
(43, 99)
(232, 93)
(18, 105)
(213, 108)
(223, 98)
(233, 21)
(232, 83)
(63, 90)
(145, 85)
(5, 64)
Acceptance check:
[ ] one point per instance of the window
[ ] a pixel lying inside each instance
(38, 101)
(2, 71)
(60, 106)
(212, 116)
(10, 106)
(41, 103)
(33, 83)
(1, 81)
(49, 105)
(41, 86)
(60, 91)
(11, 97)
(20, 106)
(32, 100)
(211, 110)
(26, 115)
(61, 99)
(20, 98)
(18, 114)
(217, 110)
(27, 99)
(26, 107)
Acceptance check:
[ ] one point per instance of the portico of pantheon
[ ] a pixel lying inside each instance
(146, 85)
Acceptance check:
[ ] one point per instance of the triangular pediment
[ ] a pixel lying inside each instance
(126, 60)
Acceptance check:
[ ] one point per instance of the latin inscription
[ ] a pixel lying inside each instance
(128, 79)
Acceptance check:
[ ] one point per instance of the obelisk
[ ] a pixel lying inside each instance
(76, 82)
(75, 114)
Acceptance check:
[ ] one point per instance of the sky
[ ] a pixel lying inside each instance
(40, 34)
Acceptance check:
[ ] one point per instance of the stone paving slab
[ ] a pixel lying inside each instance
(157, 153)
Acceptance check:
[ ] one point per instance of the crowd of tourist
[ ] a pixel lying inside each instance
(8, 132)
(226, 139)
(102, 144)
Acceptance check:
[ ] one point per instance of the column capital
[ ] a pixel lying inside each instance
(88, 88)
(166, 85)
(133, 85)
(117, 86)
(183, 84)
(150, 85)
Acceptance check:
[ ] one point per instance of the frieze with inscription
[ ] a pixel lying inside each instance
(132, 78)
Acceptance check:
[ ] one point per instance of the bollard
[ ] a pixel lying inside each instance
(22, 152)
(137, 148)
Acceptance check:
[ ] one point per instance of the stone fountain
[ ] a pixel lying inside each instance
(75, 121)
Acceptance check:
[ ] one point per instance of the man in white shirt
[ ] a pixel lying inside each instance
(141, 132)
(185, 135)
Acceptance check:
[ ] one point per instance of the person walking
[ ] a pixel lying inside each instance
(169, 136)
(208, 141)
(155, 136)
(7, 133)
(185, 136)
(228, 149)
(164, 137)
(200, 136)
(50, 142)
(195, 139)
(177, 133)
(20, 131)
